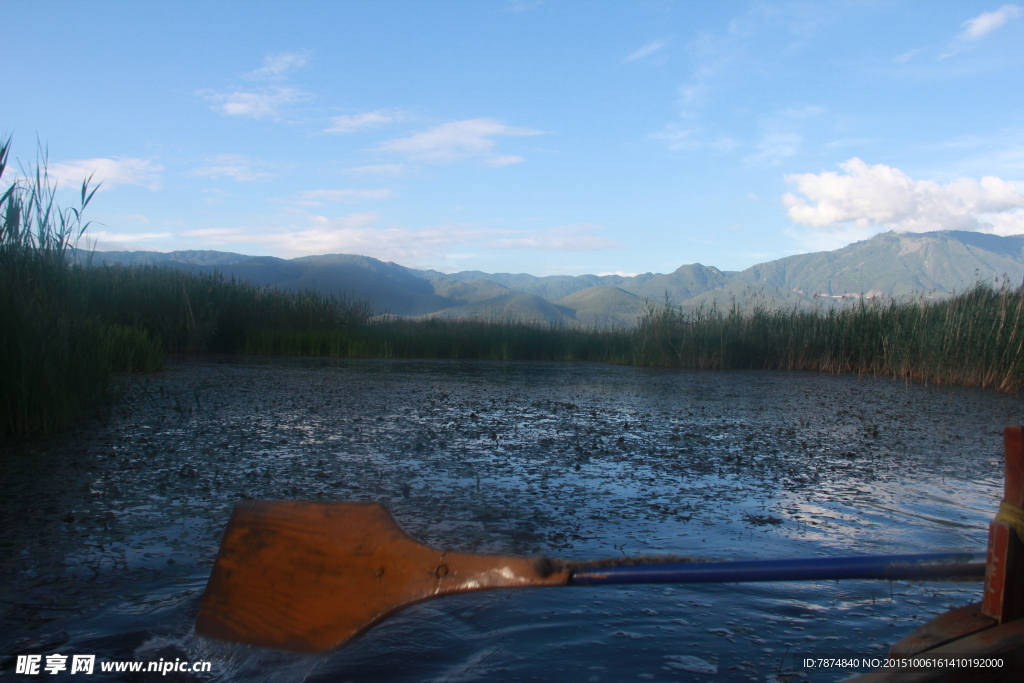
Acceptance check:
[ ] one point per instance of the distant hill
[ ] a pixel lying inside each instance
(896, 264)
(468, 292)
(933, 264)
(604, 306)
(173, 258)
(389, 287)
(512, 306)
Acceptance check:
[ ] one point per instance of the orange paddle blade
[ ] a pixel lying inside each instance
(309, 576)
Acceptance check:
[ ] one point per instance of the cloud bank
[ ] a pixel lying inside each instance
(263, 104)
(277, 66)
(986, 22)
(318, 197)
(366, 234)
(354, 233)
(234, 166)
(459, 140)
(645, 51)
(110, 172)
(369, 119)
(880, 197)
(582, 237)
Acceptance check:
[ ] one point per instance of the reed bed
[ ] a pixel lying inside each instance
(66, 326)
(195, 312)
(972, 339)
(450, 339)
(54, 357)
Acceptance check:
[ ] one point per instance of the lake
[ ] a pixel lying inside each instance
(109, 532)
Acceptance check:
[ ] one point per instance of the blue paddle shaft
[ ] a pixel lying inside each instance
(926, 566)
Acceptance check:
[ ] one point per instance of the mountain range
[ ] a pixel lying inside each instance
(894, 265)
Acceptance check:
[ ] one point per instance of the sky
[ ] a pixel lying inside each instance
(546, 137)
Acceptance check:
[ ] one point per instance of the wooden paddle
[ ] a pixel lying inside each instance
(310, 576)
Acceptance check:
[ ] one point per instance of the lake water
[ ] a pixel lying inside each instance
(109, 533)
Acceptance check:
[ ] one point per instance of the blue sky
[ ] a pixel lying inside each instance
(515, 136)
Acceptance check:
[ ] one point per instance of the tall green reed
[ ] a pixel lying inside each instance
(205, 311)
(49, 350)
(66, 326)
(973, 339)
(56, 352)
(449, 339)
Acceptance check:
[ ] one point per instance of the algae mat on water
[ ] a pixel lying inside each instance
(111, 530)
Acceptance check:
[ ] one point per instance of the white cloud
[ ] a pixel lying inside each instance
(137, 217)
(868, 198)
(317, 197)
(233, 166)
(779, 138)
(774, 147)
(571, 238)
(377, 169)
(1000, 153)
(261, 104)
(362, 233)
(692, 95)
(504, 160)
(354, 122)
(111, 172)
(214, 195)
(457, 140)
(986, 22)
(677, 138)
(907, 56)
(277, 66)
(646, 51)
(356, 234)
(620, 273)
(217, 235)
(120, 239)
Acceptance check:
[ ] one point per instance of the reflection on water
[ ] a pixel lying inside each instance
(109, 533)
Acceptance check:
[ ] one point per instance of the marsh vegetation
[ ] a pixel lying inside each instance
(68, 325)
(113, 545)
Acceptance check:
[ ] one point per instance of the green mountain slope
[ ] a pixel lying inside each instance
(604, 306)
(515, 306)
(896, 265)
(388, 287)
(159, 258)
(683, 283)
(551, 287)
(467, 292)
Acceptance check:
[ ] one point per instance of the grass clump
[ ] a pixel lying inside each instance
(66, 326)
(449, 339)
(55, 356)
(206, 312)
(972, 339)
